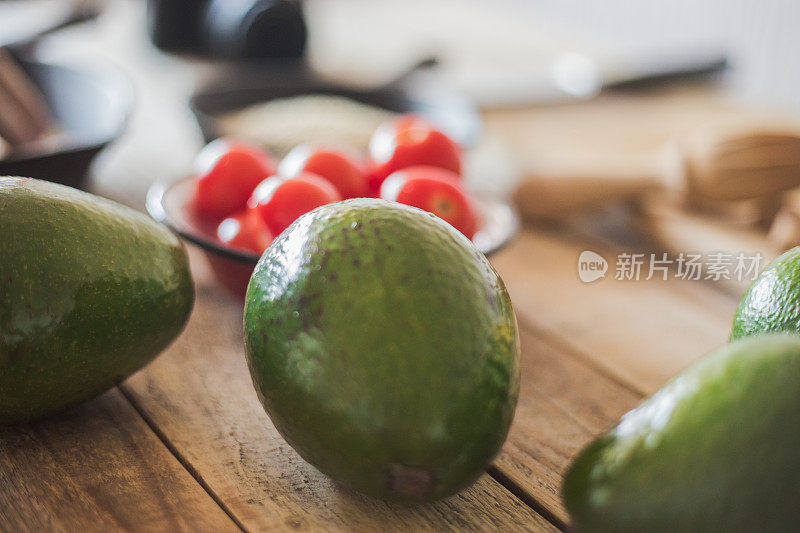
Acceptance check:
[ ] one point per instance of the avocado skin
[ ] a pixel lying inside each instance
(384, 347)
(772, 302)
(90, 291)
(716, 449)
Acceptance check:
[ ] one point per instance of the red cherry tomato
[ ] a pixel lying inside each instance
(375, 177)
(409, 141)
(336, 166)
(227, 173)
(245, 230)
(435, 190)
(279, 201)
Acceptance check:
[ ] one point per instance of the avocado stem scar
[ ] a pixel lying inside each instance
(409, 481)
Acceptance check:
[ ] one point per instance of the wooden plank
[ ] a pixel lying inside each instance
(563, 404)
(591, 351)
(640, 332)
(98, 467)
(199, 394)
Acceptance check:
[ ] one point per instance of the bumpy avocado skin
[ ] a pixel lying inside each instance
(716, 449)
(772, 302)
(385, 349)
(90, 291)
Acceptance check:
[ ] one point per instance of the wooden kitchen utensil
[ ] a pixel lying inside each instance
(24, 116)
(669, 227)
(784, 233)
(710, 166)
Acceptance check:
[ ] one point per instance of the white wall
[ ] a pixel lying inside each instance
(763, 36)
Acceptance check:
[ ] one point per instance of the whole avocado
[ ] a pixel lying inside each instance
(716, 449)
(772, 302)
(384, 347)
(90, 291)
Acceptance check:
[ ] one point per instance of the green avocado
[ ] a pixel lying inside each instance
(384, 347)
(716, 449)
(772, 302)
(90, 291)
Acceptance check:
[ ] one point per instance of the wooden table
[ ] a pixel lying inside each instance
(185, 445)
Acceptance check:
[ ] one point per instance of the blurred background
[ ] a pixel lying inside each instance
(759, 37)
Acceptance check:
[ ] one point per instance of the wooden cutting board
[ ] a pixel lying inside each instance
(626, 131)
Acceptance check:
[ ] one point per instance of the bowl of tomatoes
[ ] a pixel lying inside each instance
(241, 197)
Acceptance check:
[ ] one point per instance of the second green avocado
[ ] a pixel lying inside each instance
(716, 449)
(384, 347)
(772, 302)
(90, 291)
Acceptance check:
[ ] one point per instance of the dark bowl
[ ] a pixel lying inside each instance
(169, 204)
(91, 110)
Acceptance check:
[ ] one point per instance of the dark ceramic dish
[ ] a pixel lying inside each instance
(90, 109)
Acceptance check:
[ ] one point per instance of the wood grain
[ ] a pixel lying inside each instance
(563, 404)
(200, 396)
(592, 351)
(98, 467)
(640, 332)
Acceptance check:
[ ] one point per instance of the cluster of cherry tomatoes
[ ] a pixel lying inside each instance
(255, 198)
